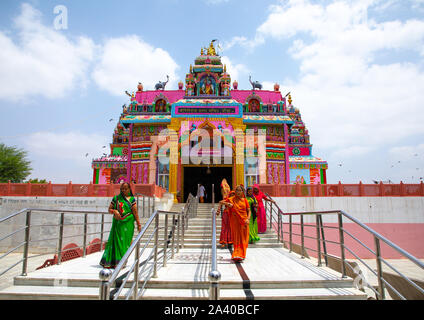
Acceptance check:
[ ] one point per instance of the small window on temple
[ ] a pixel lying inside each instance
(161, 105)
(254, 105)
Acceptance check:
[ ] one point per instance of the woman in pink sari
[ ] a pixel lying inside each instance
(225, 236)
(261, 215)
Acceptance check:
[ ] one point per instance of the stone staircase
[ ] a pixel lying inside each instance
(199, 231)
(269, 272)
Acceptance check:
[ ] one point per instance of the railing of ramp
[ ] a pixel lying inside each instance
(404, 289)
(73, 225)
(36, 229)
(145, 264)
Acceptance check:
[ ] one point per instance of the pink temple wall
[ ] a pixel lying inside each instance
(149, 96)
(140, 172)
(238, 95)
(265, 95)
(303, 151)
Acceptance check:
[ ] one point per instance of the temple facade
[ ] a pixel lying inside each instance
(207, 130)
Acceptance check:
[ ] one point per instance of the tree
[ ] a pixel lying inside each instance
(36, 181)
(14, 165)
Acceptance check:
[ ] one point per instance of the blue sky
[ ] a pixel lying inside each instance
(354, 68)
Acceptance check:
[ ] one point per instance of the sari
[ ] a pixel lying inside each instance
(225, 236)
(121, 233)
(253, 224)
(261, 210)
(239, 230)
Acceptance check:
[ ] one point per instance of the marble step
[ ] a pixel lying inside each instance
(30, 281)
(91, 293)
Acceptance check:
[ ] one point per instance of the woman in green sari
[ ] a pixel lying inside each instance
(253, 224)
(124, 210)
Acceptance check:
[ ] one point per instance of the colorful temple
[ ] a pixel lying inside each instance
(213, 132)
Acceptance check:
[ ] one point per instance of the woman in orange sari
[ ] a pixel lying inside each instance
(239, 223)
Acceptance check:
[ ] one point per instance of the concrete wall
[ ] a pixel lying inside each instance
(365, 209)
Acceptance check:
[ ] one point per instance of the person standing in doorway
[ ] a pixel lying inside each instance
(202, 192)
(124, 210)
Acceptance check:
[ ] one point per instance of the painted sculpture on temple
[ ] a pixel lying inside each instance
(161, 85)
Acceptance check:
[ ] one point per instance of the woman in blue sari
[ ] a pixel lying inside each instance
(124, 210)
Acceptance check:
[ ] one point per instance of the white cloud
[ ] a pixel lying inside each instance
(351, 102)
(408, 152)
(128, 60)
(236, 70)
(42, 61)
(72, 146)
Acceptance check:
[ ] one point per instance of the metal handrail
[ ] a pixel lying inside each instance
(377, 253)
(214, 274)
(28, 226)
(109, 278)
(142, 213)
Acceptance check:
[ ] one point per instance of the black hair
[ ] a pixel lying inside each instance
(129, 187)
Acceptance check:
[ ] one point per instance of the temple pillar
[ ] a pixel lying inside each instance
(173, 129)
(262, 156)
(129, 153)
(286, 153)
(152, 161)
(239, 167)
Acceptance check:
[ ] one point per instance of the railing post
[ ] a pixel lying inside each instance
(69, 189)
(137, 263)
(148, 208)
(173, 237)
(340, 189)
(102, 230)
(422, 188)
(60, 244)
(402, 189)
(290, 233)
(324, 245)
(179, 230)
(381, 189)
(270, 216)
(279, 228)
(28, 189)
(9, 188)
(341, 240)
(49, 189)
(84, 252)
(379, 268)
(318, 243)
(144, 202)
(104, 276)
(361, 189)
(155, 269)
(165, 244)
(26, 247)
(302, 235)
(182, 229)
(90, 189)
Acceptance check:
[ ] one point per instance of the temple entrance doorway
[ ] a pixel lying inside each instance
(207, 176)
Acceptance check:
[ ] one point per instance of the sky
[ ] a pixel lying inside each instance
(355, 70)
